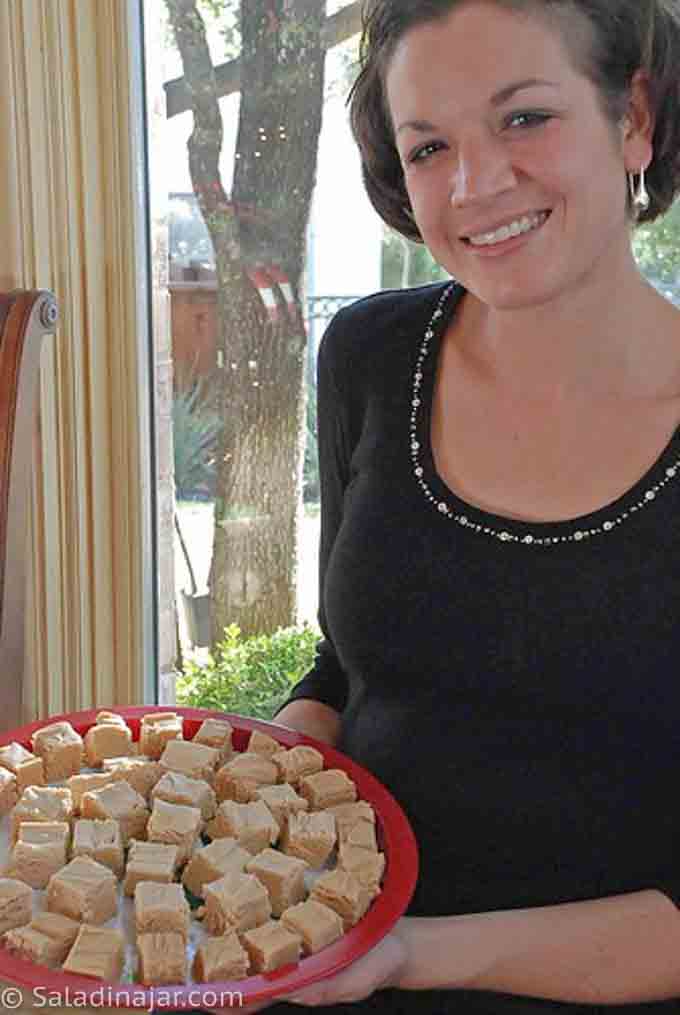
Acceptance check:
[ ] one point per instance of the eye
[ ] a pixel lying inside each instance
(526, 119)
(423, 152)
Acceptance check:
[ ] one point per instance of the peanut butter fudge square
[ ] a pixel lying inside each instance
(216, 733)
(197, 761)
(16, 901)
(223, 856)
(41, 803)
(39, 852)
(162, 958)
(141, 773)
(8, 791)
(253, 825)
(365, 864)
(317, 925)
(161, 908)
(282, 800)
(343, 893)
(310, 837)
(262, 743)
(175, 824)
(61, 750)
(100, 839)
(271, 946)
(243, 775)
(325, 789)
(84, 783)
(44, 941)
(118, 802)
(98, 952)
(297, 762)
(110, 737)
(175, 788)
(235, 902)
(221, 958)
(283, 877)
(150, 861)
(83, 890)
(156, 730)
(58, 927)
(26, 767)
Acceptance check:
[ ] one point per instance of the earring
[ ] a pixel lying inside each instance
(638, 193)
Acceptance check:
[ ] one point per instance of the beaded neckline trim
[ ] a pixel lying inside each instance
(526, 537)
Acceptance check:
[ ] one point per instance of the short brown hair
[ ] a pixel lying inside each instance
(626, 36)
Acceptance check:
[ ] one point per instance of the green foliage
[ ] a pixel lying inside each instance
(407, 264)
(195, 426)
(249, 676)
(657, 250)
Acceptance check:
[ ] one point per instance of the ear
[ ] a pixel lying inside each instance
(638, 124)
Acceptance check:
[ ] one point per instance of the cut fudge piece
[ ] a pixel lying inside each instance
(317, 925)
(282, 800)
(262, 743)
(283, 877)
(175, 824)
(223, 856)
(61, 750)
(362, 834)
(8, 791)
(366, 865)
(156, 730)
(150, 861)
(327, 789)
(97, 951)
(235, 902)
(58, 927)
(85, 783)
(309, 836)
(16, 899)
(101, 841)
(161, 908)
(84, 890)
(297, 762)
(271, 946)
(108, 738)
(243, 775)
(118, 802)
(41, 803)
(162, 958)
(216, 733)
(348, 815)
(27, 768)
(220, 959)
(343, 893)
(191, 759)
(253, 825)
(141, 773)
(35, 947)
(39, 852)
(110, 717)
(176, 788)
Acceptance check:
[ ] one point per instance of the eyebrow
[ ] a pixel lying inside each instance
(497, 99)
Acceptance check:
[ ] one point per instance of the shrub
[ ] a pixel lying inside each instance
(249, 676)
(195, 429)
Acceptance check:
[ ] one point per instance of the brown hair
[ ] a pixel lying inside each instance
(624, 36)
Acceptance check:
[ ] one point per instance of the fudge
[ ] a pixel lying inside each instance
(41, 803)
(197, 761)
(348, 815)
(175, 788)
(61, 750)
(150, 861)
(362, 834)
(365, 864)
(110, 737)
(118, 802)
(175, 824)
(110, 717)
(83, 890)
(317, 925)
(101, 841)
(216, 733)
(310, 837)
(8, 791)
(141, 773)
(98, 952)
(235, 902)
(262, 743)
(221, 959)
(27, 768)
(252, 825)
(16, 900)
(58, 927)
(223, 856)
(283, 877)
(327, 789)
(162, 958)
(161, 907)
(84, 783)
(39, 852)
(344, 893)
(297, 762)
(243, 775)
(271, 946)
(156, 730)
(282, 800)
(45, 940)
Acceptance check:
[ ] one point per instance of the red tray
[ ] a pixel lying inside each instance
(395, 837)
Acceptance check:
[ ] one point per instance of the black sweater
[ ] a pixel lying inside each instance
(520, 699)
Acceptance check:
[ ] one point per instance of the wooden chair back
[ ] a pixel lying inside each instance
(25, 318)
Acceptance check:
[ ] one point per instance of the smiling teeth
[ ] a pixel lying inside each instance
(516, 228)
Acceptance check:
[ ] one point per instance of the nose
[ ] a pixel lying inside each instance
(483, 170)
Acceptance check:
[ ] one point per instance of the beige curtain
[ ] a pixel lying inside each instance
(71, 220)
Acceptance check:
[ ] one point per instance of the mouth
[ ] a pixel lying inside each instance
(509, 231)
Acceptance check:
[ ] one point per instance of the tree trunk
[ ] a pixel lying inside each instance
(259, 242)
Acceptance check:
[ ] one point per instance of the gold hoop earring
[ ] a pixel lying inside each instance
(638, 192)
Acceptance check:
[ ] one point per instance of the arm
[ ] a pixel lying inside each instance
(313, 718)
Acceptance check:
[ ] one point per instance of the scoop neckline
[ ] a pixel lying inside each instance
(609, 516)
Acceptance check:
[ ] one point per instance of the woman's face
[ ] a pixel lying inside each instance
(516, 178)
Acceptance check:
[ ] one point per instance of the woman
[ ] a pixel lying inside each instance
(501, 508)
